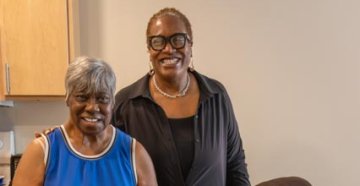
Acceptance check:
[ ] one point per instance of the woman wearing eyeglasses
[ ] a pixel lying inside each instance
(184, 119)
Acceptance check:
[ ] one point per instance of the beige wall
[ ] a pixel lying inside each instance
(292, 69)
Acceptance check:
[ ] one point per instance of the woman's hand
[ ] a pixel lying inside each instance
(45, 131)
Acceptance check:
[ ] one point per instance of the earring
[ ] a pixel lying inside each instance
(191, 66)
(151, 71)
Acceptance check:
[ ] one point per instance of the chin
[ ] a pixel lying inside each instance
(93, 129)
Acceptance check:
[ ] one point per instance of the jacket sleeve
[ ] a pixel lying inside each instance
(237, 173)
(117, 119)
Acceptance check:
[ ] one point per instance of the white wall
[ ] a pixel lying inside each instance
(292, 69)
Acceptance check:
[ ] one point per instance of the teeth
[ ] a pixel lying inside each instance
(170, 61)
(91, 119)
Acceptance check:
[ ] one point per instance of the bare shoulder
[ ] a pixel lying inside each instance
(144, 167)
(31, 168)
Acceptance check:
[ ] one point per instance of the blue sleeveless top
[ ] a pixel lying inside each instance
(66, 166)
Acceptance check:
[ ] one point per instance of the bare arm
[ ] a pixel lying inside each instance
(31, 168)
(144, 167)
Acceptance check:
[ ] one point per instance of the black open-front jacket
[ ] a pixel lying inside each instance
(219, 157)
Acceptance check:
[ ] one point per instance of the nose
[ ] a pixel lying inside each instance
(92, 105)
(168, 48)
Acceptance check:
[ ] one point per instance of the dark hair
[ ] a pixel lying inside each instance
(170, 12)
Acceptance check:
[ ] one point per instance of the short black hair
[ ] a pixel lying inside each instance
(172, 12)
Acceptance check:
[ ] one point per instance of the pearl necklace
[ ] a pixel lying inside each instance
(180, 94)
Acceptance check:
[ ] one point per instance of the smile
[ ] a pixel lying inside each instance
(170, 61)
(91, 119)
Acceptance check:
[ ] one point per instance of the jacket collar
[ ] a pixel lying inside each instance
(141, 88)
(207, 86)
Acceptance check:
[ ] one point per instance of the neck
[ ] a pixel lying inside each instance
(181, 92)
(88, 144)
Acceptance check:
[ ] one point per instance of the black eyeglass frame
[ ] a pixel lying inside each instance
(168, 40)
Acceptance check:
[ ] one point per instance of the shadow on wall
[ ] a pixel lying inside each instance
(90, 26)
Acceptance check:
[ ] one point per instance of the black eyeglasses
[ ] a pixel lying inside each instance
(177, 41)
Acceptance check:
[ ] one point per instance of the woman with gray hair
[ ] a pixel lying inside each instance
(86, 149)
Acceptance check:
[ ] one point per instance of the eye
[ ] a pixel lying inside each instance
(178, 40)
(104, 99)
(81, 97)
(157, 41)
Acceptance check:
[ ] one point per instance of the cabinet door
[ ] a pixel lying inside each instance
(35, 46)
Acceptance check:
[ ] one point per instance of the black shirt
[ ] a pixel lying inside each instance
(182, 130)
(219, 157)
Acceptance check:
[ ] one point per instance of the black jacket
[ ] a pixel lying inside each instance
(219, 157)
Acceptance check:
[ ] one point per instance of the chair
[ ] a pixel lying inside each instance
(286, 181)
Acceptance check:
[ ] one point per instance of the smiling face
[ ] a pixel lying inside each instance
(90, 86)
(90, 112)
(169, 62)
